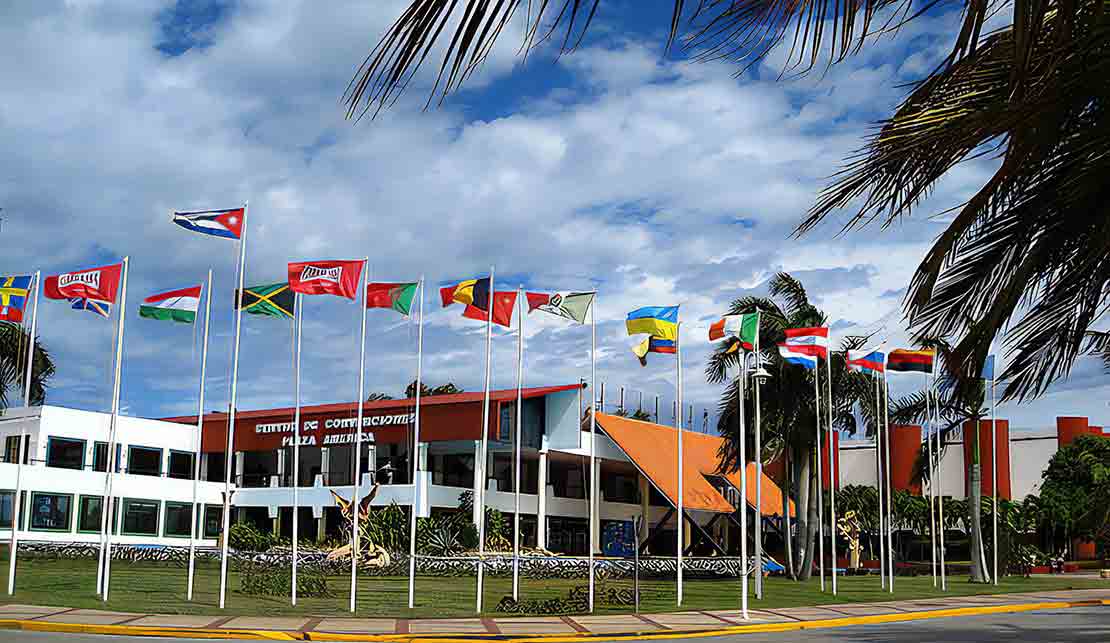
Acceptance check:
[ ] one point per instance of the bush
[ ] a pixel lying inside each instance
(267, 580)
(247, 537)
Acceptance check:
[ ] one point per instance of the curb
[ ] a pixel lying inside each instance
(294, 635)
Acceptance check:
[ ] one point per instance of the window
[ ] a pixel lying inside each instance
(11, 449)
(621, 487)
(65, 453)
(6, 498)
(88, 513)
(144, 461)
(181, 465)
(140, 517)
(100, 456)
(213, 516)
(179, 515)
(453, 470)
(50, 511)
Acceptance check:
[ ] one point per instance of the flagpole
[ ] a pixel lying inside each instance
(516, 456)
(994, 476)
(932, 480)
(834, 470)
(480, 466)
(879, 477)
(593, 450)
(759, 467)
(299, 321)
(820, 495)
(194, 515)
(355, 513)
(889, 491)
(114, 424)
(939, 489)
(229, 454)
(681, 505)
(13, 548)
(743, 466)
(416, 451)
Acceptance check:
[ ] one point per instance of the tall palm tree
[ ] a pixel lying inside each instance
(1027, 251)
(787, 404)
(13, 360)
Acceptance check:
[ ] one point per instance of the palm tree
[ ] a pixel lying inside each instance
(13, 360)
(787, 404)
(1028, 250)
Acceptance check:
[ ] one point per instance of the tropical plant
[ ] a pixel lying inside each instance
(638, 414)
(1076, 487)
(863, 502)
(13, 361)
(426, 391)
(244, 536)
(387, 528)
(789, 417)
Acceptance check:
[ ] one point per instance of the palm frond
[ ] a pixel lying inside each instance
(1098, 343)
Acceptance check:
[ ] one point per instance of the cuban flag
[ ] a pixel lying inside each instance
(102, 308)
(789, 354)
(812, 341)
(867, 360)
(218, 223)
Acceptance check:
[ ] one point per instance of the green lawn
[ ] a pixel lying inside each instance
(160, 589)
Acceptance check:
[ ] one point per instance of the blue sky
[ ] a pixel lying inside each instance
(622, 168)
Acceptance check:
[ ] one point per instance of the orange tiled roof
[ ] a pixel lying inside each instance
(654, 448)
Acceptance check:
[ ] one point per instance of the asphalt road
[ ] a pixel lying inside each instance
(1083, 624)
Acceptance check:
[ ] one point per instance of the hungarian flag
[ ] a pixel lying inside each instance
(570, 305)
(326, 278)
(272, 300)
(175, 305)
(393, 296)
(503, 304)
(99, 284)
(218, 223)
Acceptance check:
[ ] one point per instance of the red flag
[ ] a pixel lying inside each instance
(504, 301)
(537, 299)
(325, 278)
(100, 284)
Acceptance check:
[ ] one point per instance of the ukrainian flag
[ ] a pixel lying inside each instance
(661, 322)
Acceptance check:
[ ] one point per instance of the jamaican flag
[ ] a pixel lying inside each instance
(274, 300)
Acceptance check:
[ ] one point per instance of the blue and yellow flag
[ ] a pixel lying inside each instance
(13, 297)
(661, 322)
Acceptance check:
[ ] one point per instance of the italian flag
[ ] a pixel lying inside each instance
(175, 305)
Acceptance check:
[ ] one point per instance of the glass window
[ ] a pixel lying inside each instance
(65, 453)
(6, 498)
(213, 516)
(88, 513)
(179, 516)
(140, 517)
(181, 465)
(144, 461)
(100, 456)
(11, 449)
(50, 511)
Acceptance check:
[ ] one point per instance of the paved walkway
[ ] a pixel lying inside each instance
(535, 625)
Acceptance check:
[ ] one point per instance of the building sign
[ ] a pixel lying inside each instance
(332, 431)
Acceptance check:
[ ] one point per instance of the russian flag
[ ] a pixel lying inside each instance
(812, 341)
(871, 359)
(789, 354)
(218, 223)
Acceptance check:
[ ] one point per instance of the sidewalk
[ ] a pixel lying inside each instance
(707, 622)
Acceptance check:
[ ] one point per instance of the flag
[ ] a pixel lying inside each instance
(472, 292)
(653, 345)
(218, 223)
(326, 278)
(793, 356)
(571, 305)
(100, 284)
(175, 305)
(661, 322)
(393, 296)
(910, 361)
(744, 327)
(867, 360)
(13, 297)
(272, 300)
(811, 341)
(504, 301)
(102, 308)
(988, 368)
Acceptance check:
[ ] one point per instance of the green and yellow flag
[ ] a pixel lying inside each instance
(272, 300)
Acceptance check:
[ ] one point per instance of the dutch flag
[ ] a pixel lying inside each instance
(218, 223)
(793, 356)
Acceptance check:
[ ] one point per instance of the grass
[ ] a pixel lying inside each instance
(154, 588)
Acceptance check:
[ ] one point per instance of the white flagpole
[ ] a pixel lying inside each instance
(994, 476)
(889, 492)
(480, 497)
(932, 480)
(194, 515)
(681, 511)
(113, 427)
(758, 466)
(879, 477)
(939, 489)
(358, 436)
(299, 320)
(820, 470)
(416, 451)
(516, 456)
(229, 454)
(834, 470)
(13, 548)
(743, 460)
(593, 451)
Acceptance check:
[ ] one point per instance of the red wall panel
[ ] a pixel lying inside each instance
(1002, 439)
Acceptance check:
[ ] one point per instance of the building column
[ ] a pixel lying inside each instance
(541, 499)
(325, 465)
(239, 463)
(275, 521)
(281, 466)
(645, 507)
(322, 526)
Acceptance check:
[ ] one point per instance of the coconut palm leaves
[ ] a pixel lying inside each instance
(13, 360)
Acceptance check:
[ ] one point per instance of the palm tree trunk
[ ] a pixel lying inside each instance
(787, 539)
(975, 484)
(808, 534)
